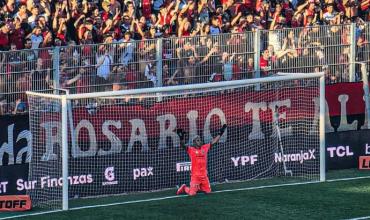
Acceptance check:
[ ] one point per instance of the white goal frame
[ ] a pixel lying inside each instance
(227, 84)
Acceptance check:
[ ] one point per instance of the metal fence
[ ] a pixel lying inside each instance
(313, 49)
(104, 67)
(186, 60)
(21, 71)
(207, 58)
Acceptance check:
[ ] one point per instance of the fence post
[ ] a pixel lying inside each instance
(352, 58)
(56, 75)
(257, 53)
(159, 62)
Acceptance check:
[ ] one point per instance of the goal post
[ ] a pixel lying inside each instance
(64, 153)
(322, 129)
(121, 142)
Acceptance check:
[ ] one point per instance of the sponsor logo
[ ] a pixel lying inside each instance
(183, 166)
(364, 162)
(340, 151)
(297, 157)
(15, 203)
(3, 186)
(109, 176)
(50, 182)
(16, 144)
(244, 160)
(109, 173)
(142, 172)
(367, 149)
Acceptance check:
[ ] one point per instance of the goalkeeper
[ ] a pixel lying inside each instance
(198, 156)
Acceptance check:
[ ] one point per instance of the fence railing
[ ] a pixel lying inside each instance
(314, 49)
(172, 61)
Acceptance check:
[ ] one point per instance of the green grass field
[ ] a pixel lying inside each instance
(329, 200)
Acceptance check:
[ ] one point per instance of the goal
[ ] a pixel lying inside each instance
(124, 142)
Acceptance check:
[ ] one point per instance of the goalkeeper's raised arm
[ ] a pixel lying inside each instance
(220, 133)
(181, 135)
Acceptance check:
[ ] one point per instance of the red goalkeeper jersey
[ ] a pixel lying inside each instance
(198, 157)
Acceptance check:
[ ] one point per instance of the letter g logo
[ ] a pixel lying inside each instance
(109, 173)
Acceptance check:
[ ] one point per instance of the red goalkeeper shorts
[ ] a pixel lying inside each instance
(199, 183)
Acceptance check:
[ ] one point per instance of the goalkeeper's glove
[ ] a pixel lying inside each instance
(222, 130)
(180, 133)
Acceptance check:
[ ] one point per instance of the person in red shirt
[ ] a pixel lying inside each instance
(18, 35)
(4, 36)
(198, 156)
(265, 64)
(146, 8)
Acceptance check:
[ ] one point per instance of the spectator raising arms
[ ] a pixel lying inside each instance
(69, 20)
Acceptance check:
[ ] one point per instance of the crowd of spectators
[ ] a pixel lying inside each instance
(49, 22)
(192, 51)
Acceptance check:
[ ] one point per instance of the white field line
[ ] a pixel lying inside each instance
(359, 218)
(179, 196)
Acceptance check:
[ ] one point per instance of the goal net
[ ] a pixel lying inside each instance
(124, 142)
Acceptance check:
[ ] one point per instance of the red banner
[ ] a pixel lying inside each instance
(354, 92)
(15, 203)
(237, 109)
(364, 162)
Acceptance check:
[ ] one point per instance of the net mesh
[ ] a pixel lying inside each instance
(45, 168)
(127, 144)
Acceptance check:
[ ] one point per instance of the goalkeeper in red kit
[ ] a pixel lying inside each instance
(198, 156)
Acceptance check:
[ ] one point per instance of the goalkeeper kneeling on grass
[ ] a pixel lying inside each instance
(198, 156)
